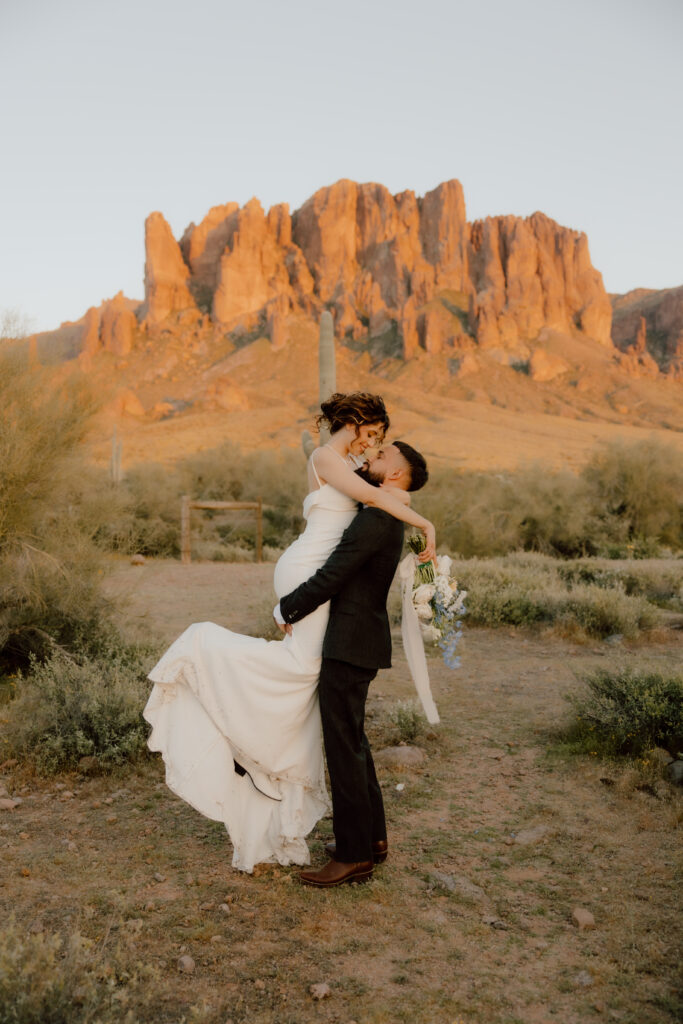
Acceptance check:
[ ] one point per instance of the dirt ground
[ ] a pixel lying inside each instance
(495, 839)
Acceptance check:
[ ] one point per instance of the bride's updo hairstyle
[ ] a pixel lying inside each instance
(356, 409)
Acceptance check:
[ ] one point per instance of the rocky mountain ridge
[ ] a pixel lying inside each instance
(401, 274)
(429, 308)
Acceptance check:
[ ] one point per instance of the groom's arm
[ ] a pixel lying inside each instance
(369, 531)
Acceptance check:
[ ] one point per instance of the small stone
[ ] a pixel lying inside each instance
(25, 873)
(224, 908)
(23, 835)
(207, 906)
(660, 756)
(96, 804)
(531, 836)
(583, 919)
(186, 964)
(216, 939)
(66, 795)
(584, 979)
(494, 922)
(6, 804)
(134, 925)
(395, 756)
(158, 877)
(149, 905)
(458, 884)
(111, 819)
(138, 560)
(676, 772)
(109, 800)
(320, 991)
(259, 984)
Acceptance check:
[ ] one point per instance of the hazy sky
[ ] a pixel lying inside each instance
(112, 110)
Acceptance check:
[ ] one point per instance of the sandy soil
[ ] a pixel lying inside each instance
(495, 839)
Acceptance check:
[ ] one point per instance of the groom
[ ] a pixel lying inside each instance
(356, 579)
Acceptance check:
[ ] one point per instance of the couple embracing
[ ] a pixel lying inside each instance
(238, 719)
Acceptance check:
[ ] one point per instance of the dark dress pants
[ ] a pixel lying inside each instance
(357, 806)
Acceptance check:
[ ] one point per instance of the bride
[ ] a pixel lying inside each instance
(236, 717)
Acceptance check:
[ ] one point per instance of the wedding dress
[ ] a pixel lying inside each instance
(221, 699)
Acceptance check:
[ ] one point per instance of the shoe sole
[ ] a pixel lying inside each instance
(362, 876)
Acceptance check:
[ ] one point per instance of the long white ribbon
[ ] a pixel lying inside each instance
(413, 643)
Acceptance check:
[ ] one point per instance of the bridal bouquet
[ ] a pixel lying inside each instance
(438, 603)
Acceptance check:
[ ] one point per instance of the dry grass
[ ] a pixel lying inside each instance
(82, 854)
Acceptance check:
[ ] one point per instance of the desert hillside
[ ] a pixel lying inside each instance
(493, 341)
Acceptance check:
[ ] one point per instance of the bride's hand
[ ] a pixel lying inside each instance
(429, 553)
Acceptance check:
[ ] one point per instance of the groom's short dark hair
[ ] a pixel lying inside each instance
(418, 466)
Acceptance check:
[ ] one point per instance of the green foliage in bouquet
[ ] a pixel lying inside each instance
(424, 571)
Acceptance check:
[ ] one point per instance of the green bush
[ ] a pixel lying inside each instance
(65, 709)
(629, 711)
(525, 589)
(49, 566)
(627, 502)
(637, 492)
(47, 979)
(409, 720)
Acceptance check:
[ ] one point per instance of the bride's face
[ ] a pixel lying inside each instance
(369, 435)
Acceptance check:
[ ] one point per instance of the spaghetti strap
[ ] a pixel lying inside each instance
(312, 460)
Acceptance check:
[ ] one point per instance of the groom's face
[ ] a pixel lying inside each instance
(387, 463)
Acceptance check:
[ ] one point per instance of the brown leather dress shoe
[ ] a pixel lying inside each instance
(380, 850)
(336, 873)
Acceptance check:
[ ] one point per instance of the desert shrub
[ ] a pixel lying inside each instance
(658, 581)
(66, 980)
(637, 493)
(49, 565)
(145, 515)
(629, 711)
(600, 612)
(524, 589)
(66, 709)
(408, 719)
(626, 502)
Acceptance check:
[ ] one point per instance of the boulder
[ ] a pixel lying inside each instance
(391, 757)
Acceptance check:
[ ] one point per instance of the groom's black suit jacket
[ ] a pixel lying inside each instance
(356, 579)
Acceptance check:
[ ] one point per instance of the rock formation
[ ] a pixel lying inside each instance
(648, 329)
(409, 272)
(166, 273)
(117, 326)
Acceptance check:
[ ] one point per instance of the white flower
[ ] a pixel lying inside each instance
(424, 593)
(443, 564)
(424, 612)
(431, 634)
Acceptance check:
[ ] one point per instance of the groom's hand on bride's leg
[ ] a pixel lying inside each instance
(283, 627)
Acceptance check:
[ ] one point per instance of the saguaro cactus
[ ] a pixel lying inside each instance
(327, 376)
(115, 460)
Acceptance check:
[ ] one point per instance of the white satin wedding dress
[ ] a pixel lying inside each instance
(220, 697)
